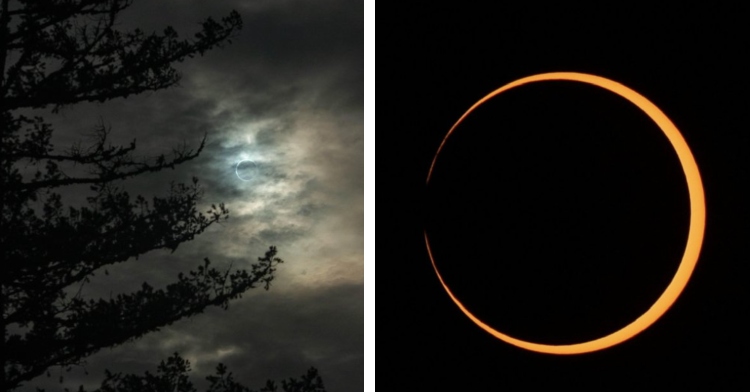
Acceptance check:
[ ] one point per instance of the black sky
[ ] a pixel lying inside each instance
(583, 196)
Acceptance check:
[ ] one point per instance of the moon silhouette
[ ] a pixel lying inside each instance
(695, 234)
(237, 169)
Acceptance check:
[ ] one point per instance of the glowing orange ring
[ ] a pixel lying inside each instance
(695, 235)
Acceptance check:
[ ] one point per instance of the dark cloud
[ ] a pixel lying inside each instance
(282, 43)
(321, 328)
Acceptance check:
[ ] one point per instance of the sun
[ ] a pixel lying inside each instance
(695, 234)
(243, 167)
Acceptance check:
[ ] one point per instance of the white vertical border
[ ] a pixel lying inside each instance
(369, 197)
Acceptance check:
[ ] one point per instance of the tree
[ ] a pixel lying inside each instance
(56, 53)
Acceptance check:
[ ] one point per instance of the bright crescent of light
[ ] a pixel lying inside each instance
(695, 235)
(237, 168)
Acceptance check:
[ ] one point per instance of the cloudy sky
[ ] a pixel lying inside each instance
(286, 97)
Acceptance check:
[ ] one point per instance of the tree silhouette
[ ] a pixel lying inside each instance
(56, 53)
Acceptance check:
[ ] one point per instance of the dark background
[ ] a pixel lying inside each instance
(558, 211)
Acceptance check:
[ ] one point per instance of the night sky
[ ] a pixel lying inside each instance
(558, 211)
(288, 95)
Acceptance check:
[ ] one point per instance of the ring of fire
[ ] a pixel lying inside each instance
(695, 234)
(237, 169)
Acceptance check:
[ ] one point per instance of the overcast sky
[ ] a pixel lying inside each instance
(287, 94)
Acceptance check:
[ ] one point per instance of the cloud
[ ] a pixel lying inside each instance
(268, 336)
